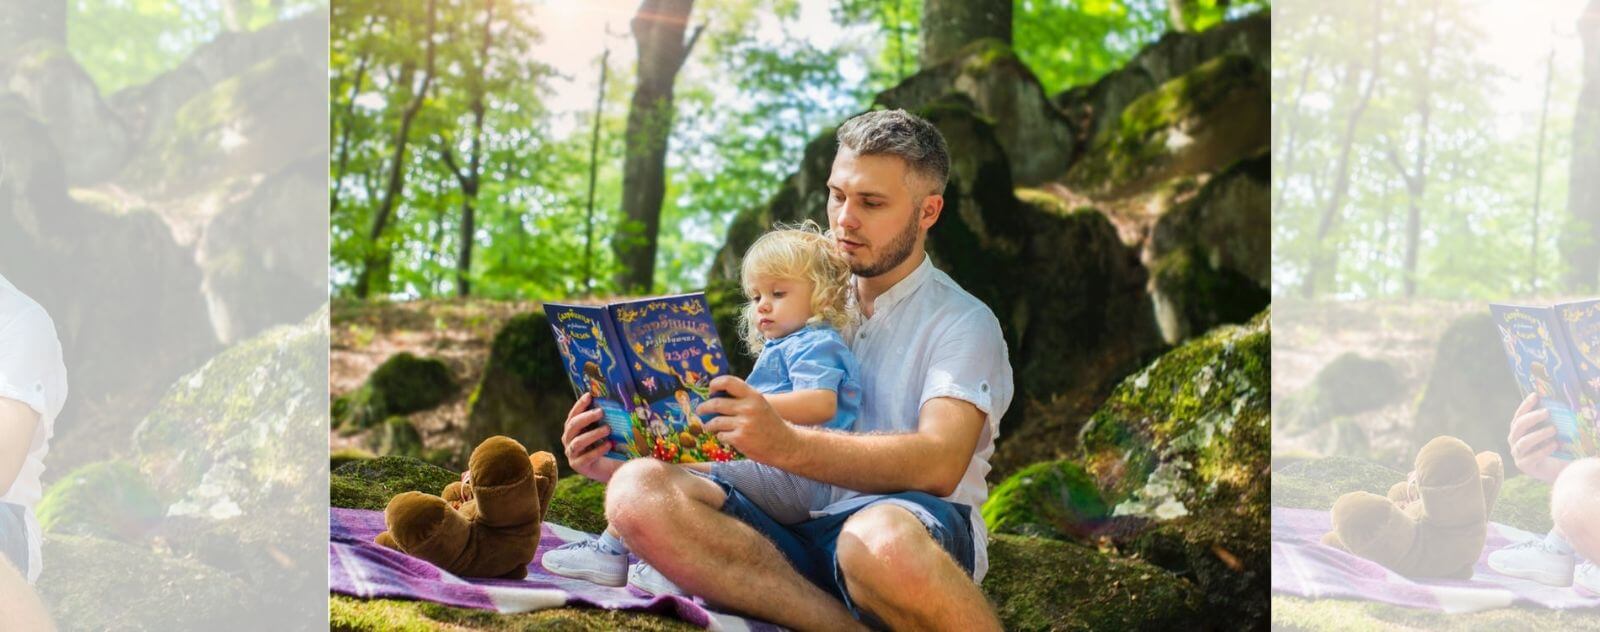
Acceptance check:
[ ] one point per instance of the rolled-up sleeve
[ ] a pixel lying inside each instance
(970, 363)
(31, 370)
(820, 364)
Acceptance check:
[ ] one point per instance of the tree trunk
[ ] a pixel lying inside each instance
(1323, 260)
(658, 31)
(594, 174)
(1538, 173)
(1175, 19)
(473, 178)
(376, 264)
(342, 160)
(1417, 183)
(948, 25)
(1583, 189)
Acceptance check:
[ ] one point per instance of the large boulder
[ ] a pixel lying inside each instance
(244, 435)
(94, 584)
(1210, 257)
(91, 137)
(1037, 140)
(525, 392)
(1095, 107)
(1197, 123)
(1470, 393)
(1184, 445)
(403, 384)
(1350, 384)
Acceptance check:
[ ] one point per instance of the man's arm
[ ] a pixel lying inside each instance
(932, 459)
(17, 424)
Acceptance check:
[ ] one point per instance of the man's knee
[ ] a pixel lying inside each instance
(886, 547)
(634, 489)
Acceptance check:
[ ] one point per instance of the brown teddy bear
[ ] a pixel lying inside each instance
(485, 527)
(1431, 525)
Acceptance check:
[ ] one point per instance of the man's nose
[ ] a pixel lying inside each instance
(847, 215)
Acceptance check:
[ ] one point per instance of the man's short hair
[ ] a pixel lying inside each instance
(900, 133)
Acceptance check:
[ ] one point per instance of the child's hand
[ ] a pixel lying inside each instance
(745, 420)
(466, 486)
(1533, 442)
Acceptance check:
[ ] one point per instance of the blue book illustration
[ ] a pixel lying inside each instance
(649, 363)
(1580, 323)
(1536, 348)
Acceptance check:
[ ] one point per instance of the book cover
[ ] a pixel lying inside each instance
(672, 348)
(594, 363)
(649, 363)
(1580, 322)
(1536, 349)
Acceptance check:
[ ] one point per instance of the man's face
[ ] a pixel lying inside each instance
(872, 209)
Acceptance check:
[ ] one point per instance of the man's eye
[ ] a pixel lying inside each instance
(874, 204)
(838, 197)
(778, 294)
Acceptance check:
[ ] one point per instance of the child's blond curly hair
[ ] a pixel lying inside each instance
(802, 253)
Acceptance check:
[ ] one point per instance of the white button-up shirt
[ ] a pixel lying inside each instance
(929, 338)
(31, 372)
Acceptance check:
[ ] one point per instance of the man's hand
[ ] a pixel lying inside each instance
(746, 421)
(586, 447)
(1531, 444)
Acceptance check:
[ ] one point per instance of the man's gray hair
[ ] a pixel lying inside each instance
(900, 133)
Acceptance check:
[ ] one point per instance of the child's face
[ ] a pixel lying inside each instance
(782, 305)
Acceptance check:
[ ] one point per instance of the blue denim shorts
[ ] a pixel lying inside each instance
(14, 536)
(812, 546)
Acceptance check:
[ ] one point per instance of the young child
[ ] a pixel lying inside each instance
(799, 291)
(1567, 555)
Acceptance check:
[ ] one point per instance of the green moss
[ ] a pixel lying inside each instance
(95, 584)
(1524, 503)
(348, 455)
(1046, 499)
(524, 392)
(403, 384)
(980, 55)
(1349, 384)
(1316, 484)
(1123, 154)
(1203, 295)
(1343, 615)
(397, 437)
(109, 499)
(579, 503)
(370, 484)
(1041, 584)
(347, 614)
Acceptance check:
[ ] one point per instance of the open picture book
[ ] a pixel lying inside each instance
(648, 363)
(1555, 352)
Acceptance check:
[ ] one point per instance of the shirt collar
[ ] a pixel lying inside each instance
(793, 334)
(905, 287)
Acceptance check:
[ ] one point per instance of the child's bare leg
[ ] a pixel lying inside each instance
(1575, 506)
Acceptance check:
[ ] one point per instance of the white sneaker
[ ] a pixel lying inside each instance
(645, 577)
(588, 561)
(1535, 560)
(1587, 577)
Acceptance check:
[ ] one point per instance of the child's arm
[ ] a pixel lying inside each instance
(810, 407)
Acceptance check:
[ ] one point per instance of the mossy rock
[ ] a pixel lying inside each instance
(1046, 499)
(1199, 122)
(348, 455)
(579, 503)
(403, 384)
(1470, 393)
(1344, 615)
(109, 500)
(1348, 385)
(1211, 255)
(398, 437)
(1524, 503)
(1316, 484)
(524, 392)
(245, 434)
(1184, 444)
(370, 484)
(94, 584)
(1043, 584)
(1038, 140)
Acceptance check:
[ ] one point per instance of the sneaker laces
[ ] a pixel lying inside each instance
(1540, 544)
(592, 544)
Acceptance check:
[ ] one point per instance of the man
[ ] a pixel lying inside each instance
(33, 386)
(1567, 555)
(908, 546)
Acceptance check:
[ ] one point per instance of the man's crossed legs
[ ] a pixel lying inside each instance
(882, 558)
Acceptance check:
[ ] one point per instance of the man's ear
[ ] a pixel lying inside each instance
(932, 206)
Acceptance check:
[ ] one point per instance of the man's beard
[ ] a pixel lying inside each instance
(894, 253)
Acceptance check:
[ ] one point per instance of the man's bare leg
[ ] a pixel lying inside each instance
(896, 571)
(673, 520)
(20, 608)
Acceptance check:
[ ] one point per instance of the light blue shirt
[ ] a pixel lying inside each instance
(812, 357)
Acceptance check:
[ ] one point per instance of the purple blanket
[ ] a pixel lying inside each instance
(1304, 567)
(359, 568)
